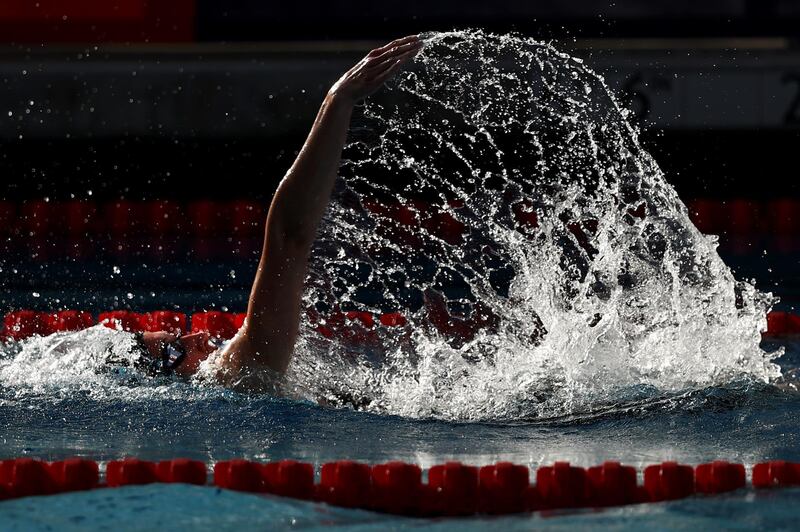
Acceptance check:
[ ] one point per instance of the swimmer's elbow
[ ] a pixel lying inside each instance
(291, 235)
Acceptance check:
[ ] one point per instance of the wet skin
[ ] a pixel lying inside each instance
(266, 341)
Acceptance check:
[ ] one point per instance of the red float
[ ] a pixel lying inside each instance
(562, 486)
(165, 320)
(719, 477)
(23, 324)
(24, 477)
(248, 218)
(163, 217)
(80, 217)
(453, 490)
(332, 326)
(67, 320)
(215, 323)
(75, 474)
(345, 483)
(503, 488)
(784, 224)
(776, 473)
(86, 22)
(239, 475)
(393, 319)
(613, 484)
(777, 323)
(122, 320)
(118, 219)
(444, 225)
(365, 318)
(792, 324)
(668, 481)
(130, 471)
(206, 219)
(289, 478)
(39, 218)
(182, 470)
(396, 488)
(707, 215)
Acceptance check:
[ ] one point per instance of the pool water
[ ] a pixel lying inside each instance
(177, 507)
(741, 422)
(620, 334)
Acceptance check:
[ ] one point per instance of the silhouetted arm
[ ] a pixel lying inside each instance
(273, 314)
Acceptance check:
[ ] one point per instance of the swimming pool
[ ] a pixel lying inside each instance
(748, 423)
(614, 331)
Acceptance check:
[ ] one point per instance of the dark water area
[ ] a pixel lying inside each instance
(744, 423)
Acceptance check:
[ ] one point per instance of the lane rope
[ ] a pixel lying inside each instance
(452, 488)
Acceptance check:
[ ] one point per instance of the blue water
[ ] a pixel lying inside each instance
(174, 507)
(705, 334)
(747, 423)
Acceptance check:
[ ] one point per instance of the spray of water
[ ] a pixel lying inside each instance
(496, 194)
(552, 231)
(99, 363)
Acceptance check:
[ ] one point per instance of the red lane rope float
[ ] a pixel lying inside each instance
(614, 484)
(503, 488)
(453, 489)
(289, 478)
(782, 324)
(739, 221)
(122, 319)
(396, 488)
(165, 320)
(345, 483)
(219, 324)
(67, 320)
(719, 477)
(668, 481)
(561, 486)
(181, 470)
(776, 473)
(210, 218)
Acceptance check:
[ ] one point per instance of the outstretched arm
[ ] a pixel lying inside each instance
(273, 313)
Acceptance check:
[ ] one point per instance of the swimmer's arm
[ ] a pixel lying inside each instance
(307, 186)
(273, 314)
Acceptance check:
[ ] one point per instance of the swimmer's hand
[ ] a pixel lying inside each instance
(369, 74)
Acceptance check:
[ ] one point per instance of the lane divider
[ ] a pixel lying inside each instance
(21, 324)
(452, 489)
(739, 220)
(351, 326)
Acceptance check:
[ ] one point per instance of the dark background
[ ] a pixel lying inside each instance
(210, 100)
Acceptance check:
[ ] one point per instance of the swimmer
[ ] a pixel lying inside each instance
(262, 349)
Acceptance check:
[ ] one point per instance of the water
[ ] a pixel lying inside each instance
(748, 424)
(610, 292)
(610, 328)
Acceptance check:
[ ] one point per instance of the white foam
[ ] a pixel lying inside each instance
(649, 305)
(642, 302)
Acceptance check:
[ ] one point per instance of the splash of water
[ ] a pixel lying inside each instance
(99, 363)
(552, 232)
(572, 256)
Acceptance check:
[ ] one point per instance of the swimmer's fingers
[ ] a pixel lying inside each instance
(372, 71)
(389, 72)
(392, 63)
(394, 44)
(391, 54)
